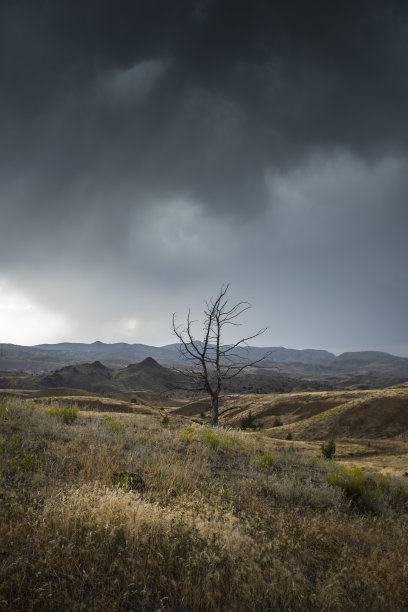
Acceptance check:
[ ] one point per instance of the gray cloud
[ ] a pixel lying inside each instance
(151, 151)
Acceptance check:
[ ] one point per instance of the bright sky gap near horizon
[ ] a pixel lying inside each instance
(152, 151)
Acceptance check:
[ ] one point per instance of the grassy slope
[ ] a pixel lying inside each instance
(379, 413)
(225, 520)
(371, 414)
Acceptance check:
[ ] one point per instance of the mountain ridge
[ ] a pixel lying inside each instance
(120, 354)
(301, 363)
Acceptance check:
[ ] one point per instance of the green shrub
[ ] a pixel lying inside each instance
(362, 489)
(263, 461)
(68, 415)
(25, 463)
(329, 449)
(211, 438)
(129, 480)
(187, 433)
(114, 426)
(248, 422)
(165, 420)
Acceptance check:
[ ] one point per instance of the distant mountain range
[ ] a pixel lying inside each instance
(48, 357)
(307, 363)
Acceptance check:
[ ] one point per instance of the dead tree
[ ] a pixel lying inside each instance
(210, 361)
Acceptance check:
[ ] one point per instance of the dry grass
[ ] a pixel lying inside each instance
(214, 527)
(376, 413)
(386, 457)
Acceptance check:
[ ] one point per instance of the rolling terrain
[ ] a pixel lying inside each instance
(370, 427)
(109, 509)
(148, 376)
(46, 357)
(379, 414)
(313, 369)
(116, 494)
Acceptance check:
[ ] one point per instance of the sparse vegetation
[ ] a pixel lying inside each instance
(68, 415)
(329, 449)
(189, 518)
(248, 421)
(211, 438)
(263, 461)
(369, 491)
(165, 420)
(25, 463)
(3, 408)
(111, 424)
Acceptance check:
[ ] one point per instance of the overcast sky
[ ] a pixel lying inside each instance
(152, 150)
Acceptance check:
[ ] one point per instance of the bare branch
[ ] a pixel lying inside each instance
(215, 361)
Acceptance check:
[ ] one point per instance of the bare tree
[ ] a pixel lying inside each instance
(210, 361)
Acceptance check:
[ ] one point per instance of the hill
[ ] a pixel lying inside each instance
(379, 414)
(348, 366)
(364, 369)
(87, 376)
(148, 375)
(371, 363)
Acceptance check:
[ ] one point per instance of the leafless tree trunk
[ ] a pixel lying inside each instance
(210, 361)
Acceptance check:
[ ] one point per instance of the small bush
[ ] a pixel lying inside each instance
(329, 449)
(129, 480)
(114, 426)
(68, 415)
(368, 491)
(26, 463)
(187, 433)
(277, 422)
(289, 436)
(248, 422)
(263, 461)
(211, 438)
(165, 420)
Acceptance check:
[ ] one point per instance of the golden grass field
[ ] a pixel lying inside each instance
(147, 510)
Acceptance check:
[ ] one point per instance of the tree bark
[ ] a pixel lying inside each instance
(214, 410)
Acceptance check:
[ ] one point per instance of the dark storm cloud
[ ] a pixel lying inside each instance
(247, 86)
(149, 140)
